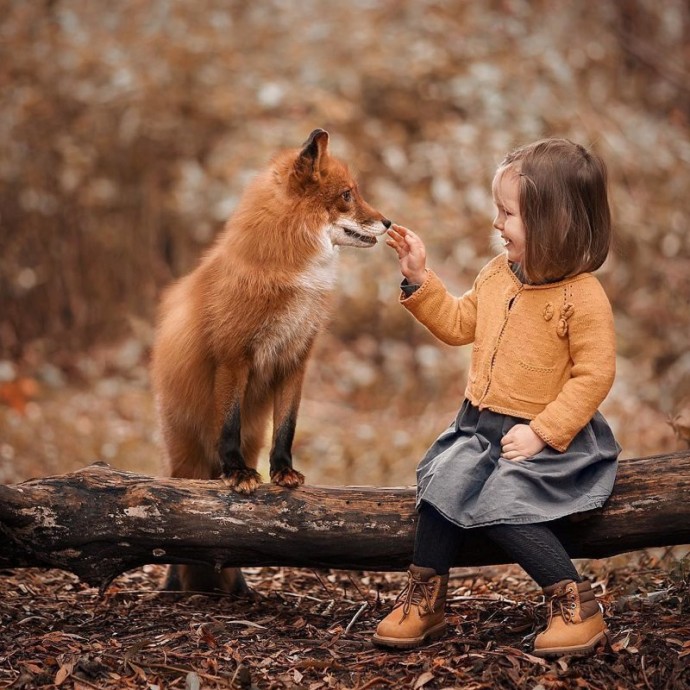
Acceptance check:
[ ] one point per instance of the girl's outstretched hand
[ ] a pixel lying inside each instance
(411, 253)
(521, 443)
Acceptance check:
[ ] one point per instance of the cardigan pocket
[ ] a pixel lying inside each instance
(534, 384)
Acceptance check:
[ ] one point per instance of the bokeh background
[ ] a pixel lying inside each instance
(129, 129)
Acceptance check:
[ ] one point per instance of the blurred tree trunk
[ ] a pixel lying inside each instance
(653, 53)
(99, 522)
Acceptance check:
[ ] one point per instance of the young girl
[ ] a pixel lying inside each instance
(528, 445)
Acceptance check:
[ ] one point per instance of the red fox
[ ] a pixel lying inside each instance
(234, 335)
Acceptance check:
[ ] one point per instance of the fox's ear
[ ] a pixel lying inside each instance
(312, 156)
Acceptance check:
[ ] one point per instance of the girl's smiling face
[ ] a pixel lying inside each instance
(508, 221)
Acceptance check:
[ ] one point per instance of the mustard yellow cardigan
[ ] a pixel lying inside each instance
(546, 353)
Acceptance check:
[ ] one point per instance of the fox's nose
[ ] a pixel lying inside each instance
(387, 223)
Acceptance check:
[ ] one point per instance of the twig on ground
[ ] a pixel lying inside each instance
(355, 617)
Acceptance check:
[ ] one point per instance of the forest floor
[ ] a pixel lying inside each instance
(311, 630)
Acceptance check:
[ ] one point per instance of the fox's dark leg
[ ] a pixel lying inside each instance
(286, 405)
(234, 471)
(282, 471)
(172, 581)
(230, 387)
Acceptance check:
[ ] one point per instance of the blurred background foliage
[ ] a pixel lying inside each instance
(129, 129)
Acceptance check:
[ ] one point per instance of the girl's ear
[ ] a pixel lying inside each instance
(311, 158)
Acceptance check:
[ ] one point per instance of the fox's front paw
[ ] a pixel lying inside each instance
(245, 481)
(288, 478)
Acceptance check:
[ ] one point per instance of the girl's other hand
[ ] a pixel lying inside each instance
(411, 253)
(521, 443)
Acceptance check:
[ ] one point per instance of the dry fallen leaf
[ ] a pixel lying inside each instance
(63, 673)
(422, 680)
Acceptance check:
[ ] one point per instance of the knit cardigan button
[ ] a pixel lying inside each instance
(566, 312)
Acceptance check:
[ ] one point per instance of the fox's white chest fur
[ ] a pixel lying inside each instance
(287, 333)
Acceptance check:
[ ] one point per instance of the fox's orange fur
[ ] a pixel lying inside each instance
(234, 336)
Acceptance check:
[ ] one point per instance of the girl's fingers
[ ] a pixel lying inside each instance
(397, 231)
(396, 237)
(405, 234)
(398, 241)
(412, 236)
(406, 237)
(513, 456)
(399, 249)
(395, 248)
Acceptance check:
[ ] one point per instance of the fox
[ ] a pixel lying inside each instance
(234, 336)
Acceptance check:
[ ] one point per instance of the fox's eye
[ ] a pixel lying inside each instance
(347, 195)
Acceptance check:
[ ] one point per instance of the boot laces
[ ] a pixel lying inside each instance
(565, 600)
(417, 593)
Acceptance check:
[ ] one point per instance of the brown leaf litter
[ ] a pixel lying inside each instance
(310, 630)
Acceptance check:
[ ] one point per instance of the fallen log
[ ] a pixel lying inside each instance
(99, 522)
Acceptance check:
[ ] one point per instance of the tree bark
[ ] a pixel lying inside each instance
(99, 522)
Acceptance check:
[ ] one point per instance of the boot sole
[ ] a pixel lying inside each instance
(410, 642)
(579, 650)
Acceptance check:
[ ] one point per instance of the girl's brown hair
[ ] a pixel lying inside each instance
(564, 207)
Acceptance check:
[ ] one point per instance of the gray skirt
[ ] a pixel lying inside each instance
(464, 478)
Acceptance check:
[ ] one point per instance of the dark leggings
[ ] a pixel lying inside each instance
(534, 547)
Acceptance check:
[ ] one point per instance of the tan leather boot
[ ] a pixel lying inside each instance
(418, 615)
(576, 625)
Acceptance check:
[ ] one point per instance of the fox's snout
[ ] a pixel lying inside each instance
(346, 231)
(386, 224)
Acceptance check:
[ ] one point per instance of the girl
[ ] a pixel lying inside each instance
(528, 445)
